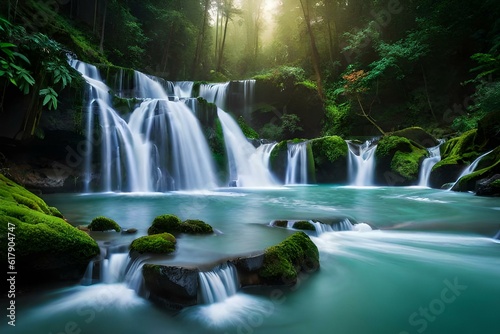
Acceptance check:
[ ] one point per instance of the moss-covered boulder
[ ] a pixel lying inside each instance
(456, 154)
(102, 223)
(172, 224)
(284, 261)
(165, 223)
(482, 178)
(195, 226)
(304, 225)
(47, 248)
(397, 161)
(330, 159)
(418, 136)
(162, 243)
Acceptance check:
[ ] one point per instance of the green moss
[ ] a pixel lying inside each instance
(496, 183)
(487, 167)
(404, 157)
(458, 150)
(280, 223)
(417, 135)
(165, 223)
(247, 130)
(43, 241)
(194, 226)
(162, 243)
(304, 225)
(104, 224)
(330, 148)
(283, 261)
(55, 212)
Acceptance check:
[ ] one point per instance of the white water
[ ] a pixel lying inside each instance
(470, 169)
(361, 163)
(296, 170)
(428, 163)
(183, 89)
(264, 151)
(218, 284)
(214, 93)
(246, 166)
(161, 148)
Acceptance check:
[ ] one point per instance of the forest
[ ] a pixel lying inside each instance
(377, 66)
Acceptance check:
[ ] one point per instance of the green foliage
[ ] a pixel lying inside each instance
(283, 77)
(163, 243)
(337, 119)
(304, 225)
(247, 130)
(271, 131)
(290, 125)
(165, 223)
(283, 261)
(104, 224)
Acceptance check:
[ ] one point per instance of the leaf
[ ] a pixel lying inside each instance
(23, 57)
(46, 99)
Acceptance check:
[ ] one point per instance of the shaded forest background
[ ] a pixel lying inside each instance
(375, 66)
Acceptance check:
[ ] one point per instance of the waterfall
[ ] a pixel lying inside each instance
(321, 228)
(361, 163)
(214, 93)
(296, 170)
(264, 151)
(246, 167)
(183, 89)
(471, 168)
(160, 148)
(218, 284)
(428, 163)
(344, 225)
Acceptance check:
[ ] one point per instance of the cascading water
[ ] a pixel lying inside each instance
(264, 151)
(214, 93)
(183, 89)
(296, 170)
(361, 163)
(428, 163)
(471, 168)
(218, 284)
(161, 148)
(246, 165)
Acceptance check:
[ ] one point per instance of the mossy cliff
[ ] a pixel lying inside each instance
(47, 248)
(398, 161)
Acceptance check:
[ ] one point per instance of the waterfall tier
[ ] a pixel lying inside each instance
(361, 163)
(297, 162)
(218, 284)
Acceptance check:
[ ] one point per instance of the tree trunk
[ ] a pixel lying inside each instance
(314, 50)
(101, 45)
(219, 62)
(199, 43)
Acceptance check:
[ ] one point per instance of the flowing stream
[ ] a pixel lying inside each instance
(429, 263)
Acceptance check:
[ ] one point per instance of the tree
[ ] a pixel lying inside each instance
(314, 50)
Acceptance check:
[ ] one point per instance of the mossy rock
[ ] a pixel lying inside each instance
(162, 243)
(418, 136)
(456, 154)
(398, 161)
(280, 223)
(284, 261)
(486, 168)
(304, 225)
(165, 223)
(102, 223)
(47, 247)
(195, 226)
(330, 159)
